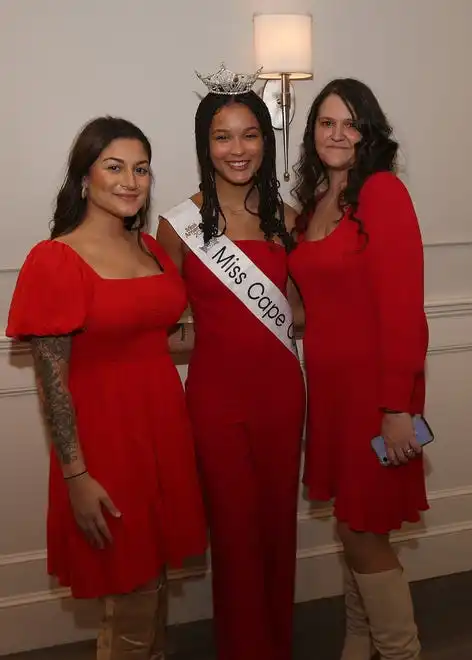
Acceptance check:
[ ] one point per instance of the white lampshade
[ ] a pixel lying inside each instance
(283, 44)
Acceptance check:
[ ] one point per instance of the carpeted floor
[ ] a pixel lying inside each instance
(444, 615)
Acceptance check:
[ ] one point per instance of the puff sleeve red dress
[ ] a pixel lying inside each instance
(131, 416)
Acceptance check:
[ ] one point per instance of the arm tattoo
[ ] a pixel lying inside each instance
(51, 358)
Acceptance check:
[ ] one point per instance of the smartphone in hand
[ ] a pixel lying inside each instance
(423, 433)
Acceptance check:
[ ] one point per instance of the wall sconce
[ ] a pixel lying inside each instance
(283, 47)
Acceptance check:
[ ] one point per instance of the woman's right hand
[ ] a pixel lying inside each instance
(87, 498)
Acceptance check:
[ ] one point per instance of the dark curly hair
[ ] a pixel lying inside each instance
(94, 137)
(375, 152)
(271, 206)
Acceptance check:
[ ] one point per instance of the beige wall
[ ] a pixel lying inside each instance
(63, 62)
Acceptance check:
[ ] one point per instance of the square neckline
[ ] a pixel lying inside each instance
(110, 279)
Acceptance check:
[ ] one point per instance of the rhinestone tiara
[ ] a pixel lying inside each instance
(225, 81)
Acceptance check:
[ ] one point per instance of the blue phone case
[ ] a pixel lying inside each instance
(423, 433)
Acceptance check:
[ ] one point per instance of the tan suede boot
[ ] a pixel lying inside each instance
(358, 643)
(128, 629)
(388, 604)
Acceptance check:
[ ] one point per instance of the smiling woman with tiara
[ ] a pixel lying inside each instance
(245, 390)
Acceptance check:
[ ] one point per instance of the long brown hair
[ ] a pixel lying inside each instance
(376, 151)
(94, 137)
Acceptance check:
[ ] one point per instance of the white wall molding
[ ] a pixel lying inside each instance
(50, 616)
(324, 512)
(307, 516)
(448, 493)
(41, 555)
(17, 391)
(7, 345)
(399, 538)
(452, 307)
(36, 597)
(447, 244)
(451, 348)
(22, 557)
(448, 308)
(60, 593)
(426, 244)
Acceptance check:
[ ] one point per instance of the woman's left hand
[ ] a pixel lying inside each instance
(399, 436)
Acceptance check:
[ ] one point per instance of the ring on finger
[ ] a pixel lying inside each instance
(409, 452)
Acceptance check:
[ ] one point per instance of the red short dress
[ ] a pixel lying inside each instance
(131, 416)
(365, 346)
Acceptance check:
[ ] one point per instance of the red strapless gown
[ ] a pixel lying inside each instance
(364, 347)
(131, 417)
(246, 399)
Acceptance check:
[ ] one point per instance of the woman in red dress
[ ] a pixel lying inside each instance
(245, 389)
(96, 301)
(359, 269)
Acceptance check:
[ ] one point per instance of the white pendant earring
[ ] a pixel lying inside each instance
(84, 190)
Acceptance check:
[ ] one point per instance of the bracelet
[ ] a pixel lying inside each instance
(389, 411)
(73, 476)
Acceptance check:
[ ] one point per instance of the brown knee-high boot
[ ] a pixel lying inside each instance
(129, 628)
(358, 643)
(387, 601)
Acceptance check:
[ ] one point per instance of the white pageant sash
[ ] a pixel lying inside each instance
(232, 267)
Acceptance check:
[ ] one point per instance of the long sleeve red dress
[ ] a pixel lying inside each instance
(365, 346)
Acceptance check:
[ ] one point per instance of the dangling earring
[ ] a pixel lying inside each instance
(84, 190)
